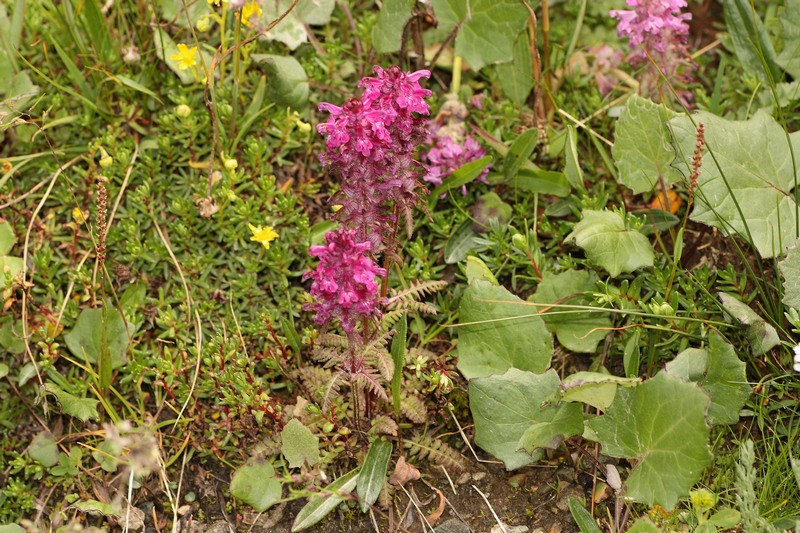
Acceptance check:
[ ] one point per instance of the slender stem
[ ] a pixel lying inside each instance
(455, 84)
(237, 57)
(222, 44)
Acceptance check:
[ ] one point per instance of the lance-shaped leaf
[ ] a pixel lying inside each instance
(720, 373)
(319, 506)
(610, 243)
(747, 186)
(499, 332)
(373, 473)
(642, 150)
(505, 406)
(661, 426)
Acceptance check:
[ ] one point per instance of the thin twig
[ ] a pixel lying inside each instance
(499, 522)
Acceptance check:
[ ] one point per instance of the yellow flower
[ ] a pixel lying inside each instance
(79, 215)
(263, 235)
(249, 10)
(187, 57)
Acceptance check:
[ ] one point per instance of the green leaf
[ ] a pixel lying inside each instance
(594, 388)
(96, 508)
(7, 238)
(82, 408)
(11, 528)
(398, 352)
(659, 425)
(43, 449)
(99, 329)
(516, 76)
(582, 517)
(519, 152)
(287, 83)
(565, 422)
(11, 338)
(106, 455)
(505, 406)
(789, 57)
(166, 48)
(720, 373)
(463, 241)
(578, 331)
(299, 445)
(752, 167)
(644, 525)
(487, 28)
(541, 181)
(136, 86)
(498, 331)
(388, 30)
(477, 269)
(750, 41)
(609, 243)
(642, 150)
(572, 167)
(790, 270)
(726, 518)
(16, 94)
(761, 334)
(176, 11)
(291, 30)
(461, 176)
(3, 370)
(318, 507)
(373, 473)
(256, 484)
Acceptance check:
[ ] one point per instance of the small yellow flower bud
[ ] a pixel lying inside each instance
(203, 24)
(79, 216)
(106, 161)
(231, 164)
(183, 110)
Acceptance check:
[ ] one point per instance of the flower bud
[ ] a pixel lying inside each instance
(231, 164)
(183, 110)
(520, 241)
(203, 24)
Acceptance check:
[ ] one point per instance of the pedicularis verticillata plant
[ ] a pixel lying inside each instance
(370, 142)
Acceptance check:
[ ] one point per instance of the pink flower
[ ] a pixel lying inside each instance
(448, 153)
(344, 285)
(657, 25)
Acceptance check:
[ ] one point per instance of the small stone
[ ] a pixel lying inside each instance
(132, 519)
(463, 478)
(184, 509)
(477, 476)
(509, 529)
(220, 526)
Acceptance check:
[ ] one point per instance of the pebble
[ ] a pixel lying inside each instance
(454, 525)
(477, 476)
(510, 529)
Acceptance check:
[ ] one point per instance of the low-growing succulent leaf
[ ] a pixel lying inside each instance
(567, 420)
(98, 329)
(498, 331)
(505, 406)
(761, 334)
(610, 243)
(299, 445)
(388, 30)
(331, 496)
(661, 426)
(487, 29)
(594, 388)
(256, 484)
(751, 168)
(790, 270)
(642, 150)
(372, 476)
(81, 408)
(720, 373)
(578, 331)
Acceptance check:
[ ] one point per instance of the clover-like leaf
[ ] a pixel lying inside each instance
(256, 484)
(299, 445)
(642, 150)
(610, 243)
(747, 185)
(720, 373)
(499, 331)
(504, 407)
(487, 29)
(659, 425)
(576, 330)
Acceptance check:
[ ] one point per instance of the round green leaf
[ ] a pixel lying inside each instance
(255, 483)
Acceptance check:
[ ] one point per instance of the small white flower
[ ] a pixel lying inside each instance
(796, 364)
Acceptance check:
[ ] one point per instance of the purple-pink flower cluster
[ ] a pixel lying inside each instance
(370, 144)
(344, 285)
(656, 25)
(370, 147)
(449, 153)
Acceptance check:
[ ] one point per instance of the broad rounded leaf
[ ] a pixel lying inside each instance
(98, 329)
(7, 238)
(642, 150)
(487, 28)
(43, 449)
(720, 373)
(661, 426)
(504, 407)
(299, 445)
(255, 484)
(499, 331)
(609, 243)
(752, 167)
(81, 408)
(388, 30)
(566, 421)
(287, 83)
(578, 331)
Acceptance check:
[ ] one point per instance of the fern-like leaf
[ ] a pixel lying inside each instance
(412, 305)
(413, 408)
(436, 451)
(331, 390)
(416, 290)
(383, 425)
(369, 381)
